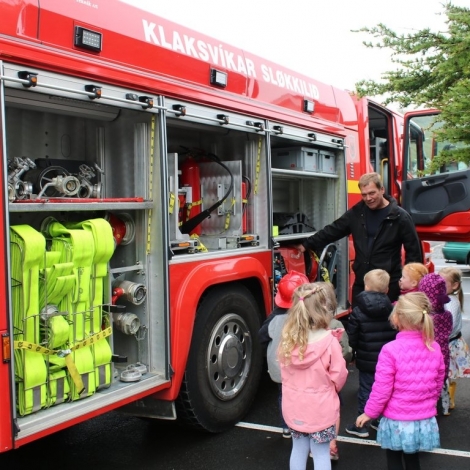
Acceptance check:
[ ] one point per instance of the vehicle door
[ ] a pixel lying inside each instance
(435, 179)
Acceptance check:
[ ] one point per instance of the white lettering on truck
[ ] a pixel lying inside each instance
(217, 55)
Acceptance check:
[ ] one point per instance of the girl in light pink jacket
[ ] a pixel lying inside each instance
(408, 381)
(313, 371)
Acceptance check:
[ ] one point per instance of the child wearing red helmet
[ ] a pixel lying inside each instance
(282, 303)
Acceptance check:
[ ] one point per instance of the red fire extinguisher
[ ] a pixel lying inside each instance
(190, 177)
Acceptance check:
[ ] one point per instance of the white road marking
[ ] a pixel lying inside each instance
(351, 440)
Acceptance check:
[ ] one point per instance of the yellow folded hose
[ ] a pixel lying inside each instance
(104, 248)
(59, 387)
(27, 257)
(61, 347)
(76, 247)
(57, 281)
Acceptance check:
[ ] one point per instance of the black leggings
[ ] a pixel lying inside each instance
(395, 459)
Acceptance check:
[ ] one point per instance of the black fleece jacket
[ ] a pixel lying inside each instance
(369, 328)
(396, 230)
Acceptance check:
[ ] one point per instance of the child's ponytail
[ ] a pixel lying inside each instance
(428, 329)
(413, 312)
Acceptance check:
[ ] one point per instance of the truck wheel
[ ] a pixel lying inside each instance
(224, 364)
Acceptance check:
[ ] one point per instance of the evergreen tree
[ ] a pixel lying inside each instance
(433, 72)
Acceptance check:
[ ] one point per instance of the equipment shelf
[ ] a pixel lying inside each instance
(302, 174)
(78, 206)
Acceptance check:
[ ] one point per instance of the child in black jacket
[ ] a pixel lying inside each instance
(368, 330)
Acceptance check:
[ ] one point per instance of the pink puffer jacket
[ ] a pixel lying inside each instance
(408, 379)
(310, 386)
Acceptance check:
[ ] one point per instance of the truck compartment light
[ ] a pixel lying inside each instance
(258, 125)
(6, 347)
(338, 141)
(30, 77)
(180, 108)
(223, 118)
(219, 78)
(147, 102)
(132, 96)
(309, 106)
(95, 90)
(87, 39)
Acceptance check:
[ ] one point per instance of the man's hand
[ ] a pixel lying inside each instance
(300, 247)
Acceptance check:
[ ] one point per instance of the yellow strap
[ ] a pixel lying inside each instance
(172, 203)
(67, 354)
(190, 205)
(258, 165)
(48, 351)
(74, 374)
(201, 247)
(227, 215)
(324, 272)
(150, 183)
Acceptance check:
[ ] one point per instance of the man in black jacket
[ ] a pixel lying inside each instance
(379, 229)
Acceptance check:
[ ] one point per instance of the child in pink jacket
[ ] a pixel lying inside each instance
(408, 381)
(313, 371)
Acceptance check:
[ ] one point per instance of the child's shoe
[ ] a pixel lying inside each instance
(286, 433)
(452, 387)
(359, 432)
(374, 424)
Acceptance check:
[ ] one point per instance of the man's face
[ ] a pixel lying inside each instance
(372, 196)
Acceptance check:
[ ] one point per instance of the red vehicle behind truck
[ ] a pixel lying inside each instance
(154, 183)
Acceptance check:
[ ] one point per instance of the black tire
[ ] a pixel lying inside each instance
(224, 364)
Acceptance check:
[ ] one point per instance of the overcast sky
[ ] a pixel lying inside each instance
(308, 36)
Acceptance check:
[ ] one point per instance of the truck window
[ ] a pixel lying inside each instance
(427, 153)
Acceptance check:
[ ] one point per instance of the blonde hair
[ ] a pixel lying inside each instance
(377, 280)
(453, 275)
(331, 302)
(415, 271)
(412, 312)
(311, 309)
(368, 178)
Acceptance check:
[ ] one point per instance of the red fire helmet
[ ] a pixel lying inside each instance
(287, 286)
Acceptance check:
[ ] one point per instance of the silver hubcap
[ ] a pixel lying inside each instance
(229, 356)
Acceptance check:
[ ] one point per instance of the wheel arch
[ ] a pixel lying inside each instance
(200, 282)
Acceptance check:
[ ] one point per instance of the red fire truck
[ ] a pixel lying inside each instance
(154, 183)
